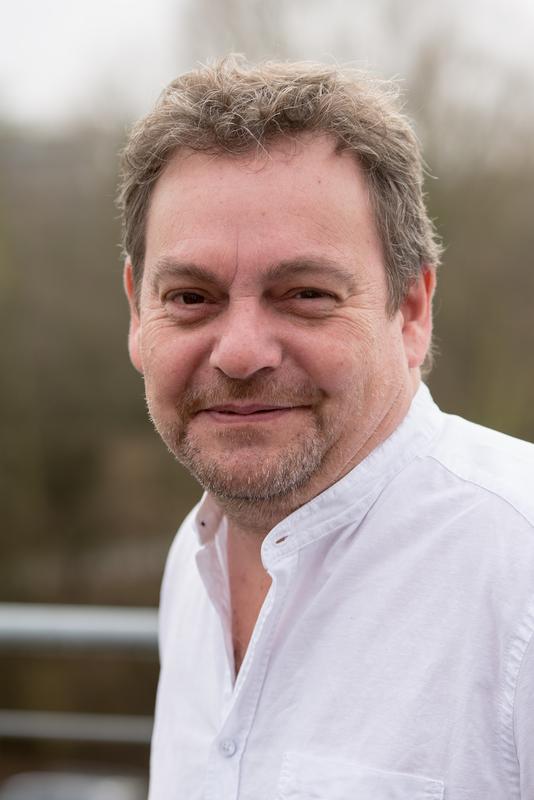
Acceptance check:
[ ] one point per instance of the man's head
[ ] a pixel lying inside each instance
(279, 274)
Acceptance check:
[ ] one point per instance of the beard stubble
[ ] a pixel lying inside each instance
(239, 465)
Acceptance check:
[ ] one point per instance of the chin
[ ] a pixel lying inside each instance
(246, 475)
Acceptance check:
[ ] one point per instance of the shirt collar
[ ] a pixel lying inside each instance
(348, 498)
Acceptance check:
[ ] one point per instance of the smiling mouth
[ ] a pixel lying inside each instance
(246, 409)
(248, 413)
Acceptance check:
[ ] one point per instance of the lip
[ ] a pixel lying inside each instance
(246, 408)
(232, 413)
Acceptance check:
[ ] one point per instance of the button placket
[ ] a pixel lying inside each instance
(224, 777)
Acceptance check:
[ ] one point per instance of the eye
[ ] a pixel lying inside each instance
(189, 305)
(308, 301)
(311, 294)
(186, 298)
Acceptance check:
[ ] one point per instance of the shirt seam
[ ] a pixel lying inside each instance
(517, 651)
(515, 656)
(484, 488)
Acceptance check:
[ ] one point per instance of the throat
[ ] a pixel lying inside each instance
(249, 584)
(247, 597)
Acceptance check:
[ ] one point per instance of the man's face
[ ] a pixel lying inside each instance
(270, 362)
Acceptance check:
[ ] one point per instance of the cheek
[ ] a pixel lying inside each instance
(349, 367)
(333, 367)
(353, 346)
(168, 363)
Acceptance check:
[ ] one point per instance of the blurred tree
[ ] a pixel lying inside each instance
(216, 27)
(72, 404)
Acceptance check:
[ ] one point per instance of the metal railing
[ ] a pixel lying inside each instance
(31, 628)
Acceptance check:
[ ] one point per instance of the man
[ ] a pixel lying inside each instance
(348, 612)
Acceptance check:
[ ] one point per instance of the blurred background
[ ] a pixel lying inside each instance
(90, 499)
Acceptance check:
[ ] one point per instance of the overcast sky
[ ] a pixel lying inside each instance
(57, 56)
(65, 59)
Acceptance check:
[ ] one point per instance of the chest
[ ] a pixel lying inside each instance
(247, 595)
(335, 695)
(362, 668)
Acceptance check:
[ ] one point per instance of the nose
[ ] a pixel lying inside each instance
(247, 342)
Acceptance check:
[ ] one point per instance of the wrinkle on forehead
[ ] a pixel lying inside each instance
(297, 199)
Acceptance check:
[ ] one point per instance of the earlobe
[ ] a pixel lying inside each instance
(134, 332)
(417, 317)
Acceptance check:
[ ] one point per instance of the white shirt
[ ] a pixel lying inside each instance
(391, 657)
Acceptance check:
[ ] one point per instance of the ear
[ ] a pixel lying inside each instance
(134, 332)
(416, 312)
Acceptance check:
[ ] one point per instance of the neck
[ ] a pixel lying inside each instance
(256, 519)
(249, 583)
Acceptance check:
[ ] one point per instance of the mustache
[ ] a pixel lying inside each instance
(256, 390)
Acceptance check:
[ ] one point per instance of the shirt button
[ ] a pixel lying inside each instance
(227, 747)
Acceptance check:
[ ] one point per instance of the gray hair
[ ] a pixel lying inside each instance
(234, 107)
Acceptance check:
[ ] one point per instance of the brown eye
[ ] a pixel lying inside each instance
(189, 305)
(310, 294)
(185, 298)
(191, 298)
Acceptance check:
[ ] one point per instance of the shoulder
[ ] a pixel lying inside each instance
(491, 462)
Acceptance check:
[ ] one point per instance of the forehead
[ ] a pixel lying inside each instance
(300, 197)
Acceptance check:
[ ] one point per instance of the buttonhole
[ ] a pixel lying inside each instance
(279, 541)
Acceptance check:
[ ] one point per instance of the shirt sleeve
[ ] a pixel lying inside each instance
(524, 722)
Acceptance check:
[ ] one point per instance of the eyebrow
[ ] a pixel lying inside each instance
(312, 266)
(293, 268)
(168, 267)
